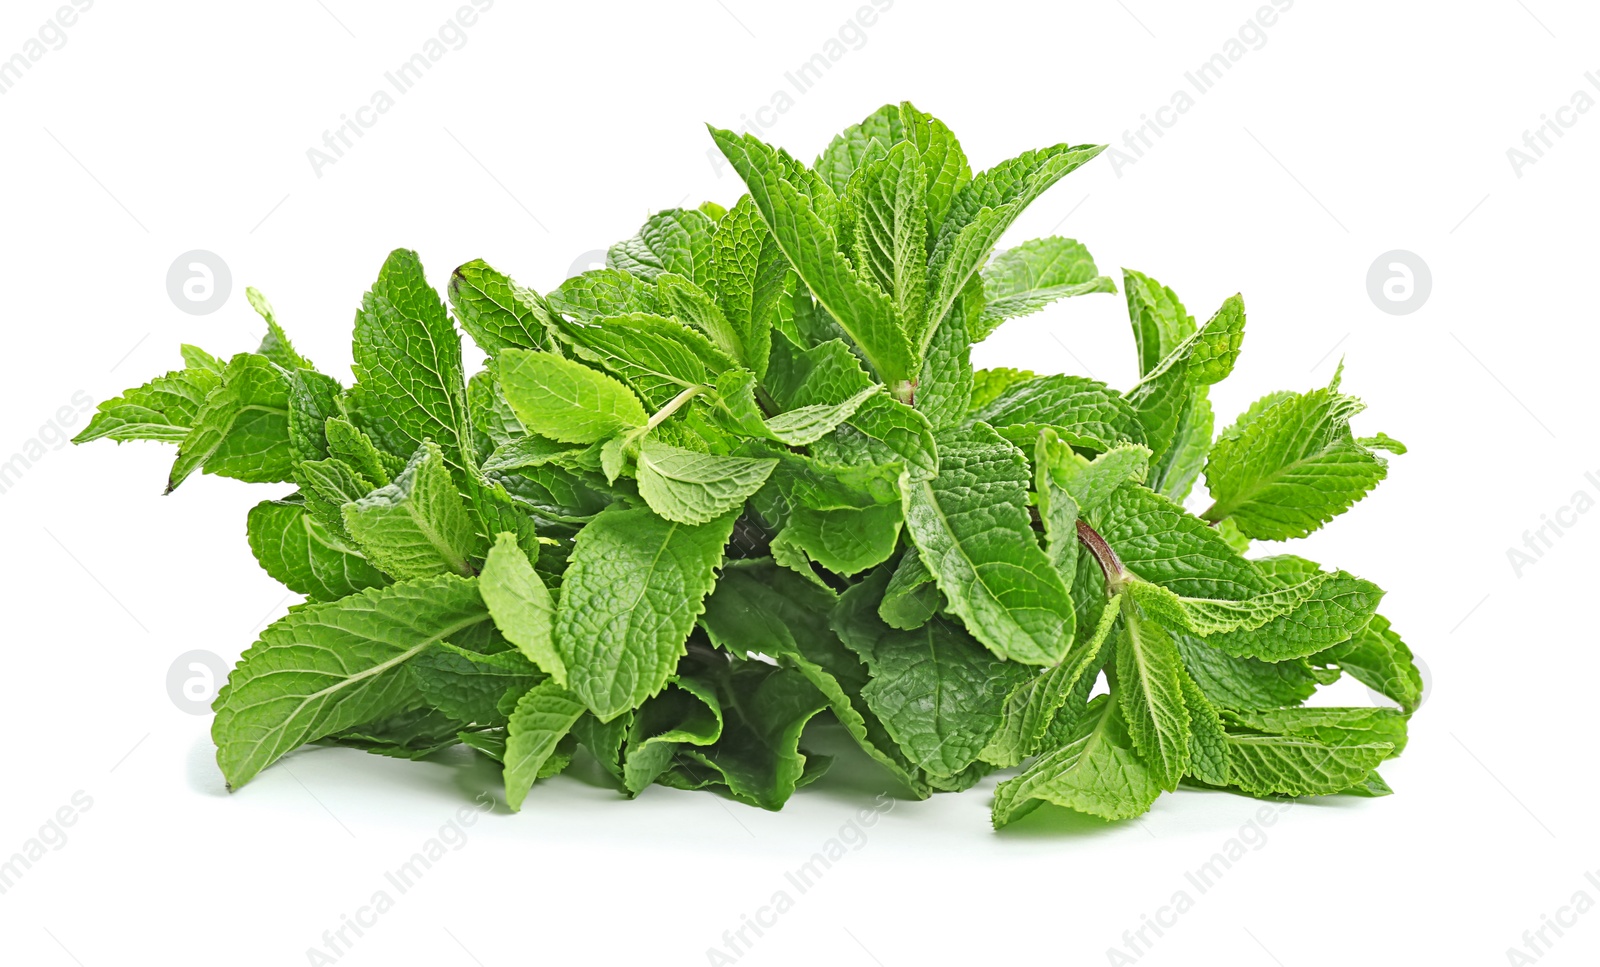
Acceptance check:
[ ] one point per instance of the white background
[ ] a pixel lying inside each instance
(1357, 128)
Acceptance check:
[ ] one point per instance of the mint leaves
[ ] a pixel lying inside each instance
(746, 480)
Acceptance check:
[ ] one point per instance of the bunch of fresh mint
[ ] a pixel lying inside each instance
(746, 475)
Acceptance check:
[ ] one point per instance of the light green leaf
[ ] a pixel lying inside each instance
(1160, 323)
(1096, 772)
(629, 598)
(496, 312)
(988, 384)
(163, 409)
(566, 400)
(275, 345)
(418, 525)
(1033, 706)
(889, 195)
(971, 526)
(603, 292)
(674, 240)
(409, 386)
(1287, 765)
(1290, 465)
(1378, 659)
(1085, 412)
(543, 717)
(695, 488)
(687, 712)
(812, 248)
(943, 161)
(1208, 742)
(520, 605)
(471, 687)
(331, 666)
(242, 430)
(682, 298)
(984, 208)
(1150, 679)
(657, 357)
(750, 272)
(853, 147)
(297, 550)
(1027, 278)
(1244, 683)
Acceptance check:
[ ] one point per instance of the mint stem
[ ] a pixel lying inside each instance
(1110, 565)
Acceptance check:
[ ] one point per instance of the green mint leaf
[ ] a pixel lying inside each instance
(409, 386)
(520, 605)
(758, 756)
(1174, 473)
(859, 144)
(1244, 683)
(565, 400)
(496, 312)
(1025, 279)
(305, 555)
(684, 300)
(1291, 765)
(944, 388)
(750, 272)
(988, 384)
(939, 693)
(1208, 741)
(470, 687)
(687, 712)
(1095, 772)
(1150, 687)
(971, 526)
(889, 196)
(542, 718)
(1333, 726)
(1083, 411)
(910, 598)
(196, 358)
(1090, 483)
(696, 488)
(1033, 706)
(346, 442)
(163, 409)
(332, 666)
(801, 426)
(630, 596)
(418, 525)
(603, 292)
(676, 240)
(829, 374)
(314, 399)
(657, 357)
(984, 208)
(759, 607)
(1290, 465)
(812, 247)
(1160, 323)
(242, 429)
(943, 161)
(1378, 659)
(275, 346)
